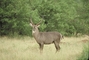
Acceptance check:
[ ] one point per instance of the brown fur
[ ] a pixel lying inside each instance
(46, 37)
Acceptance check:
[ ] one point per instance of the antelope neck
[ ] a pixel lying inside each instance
(36, 33)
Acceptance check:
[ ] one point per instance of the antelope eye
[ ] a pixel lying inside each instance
(34, 27)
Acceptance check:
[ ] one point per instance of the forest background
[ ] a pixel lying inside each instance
(69, 17)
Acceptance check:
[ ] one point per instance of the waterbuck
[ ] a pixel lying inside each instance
(45, 37)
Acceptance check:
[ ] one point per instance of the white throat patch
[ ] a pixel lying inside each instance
(33, 31)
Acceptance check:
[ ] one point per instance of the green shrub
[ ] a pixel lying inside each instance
(85, 53)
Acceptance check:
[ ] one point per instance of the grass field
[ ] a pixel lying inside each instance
(26, 48)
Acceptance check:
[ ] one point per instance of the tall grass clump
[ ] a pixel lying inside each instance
(85, 53)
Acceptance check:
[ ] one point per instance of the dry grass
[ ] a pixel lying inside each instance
(27, 49)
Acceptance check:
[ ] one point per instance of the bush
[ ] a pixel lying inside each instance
(85, 53)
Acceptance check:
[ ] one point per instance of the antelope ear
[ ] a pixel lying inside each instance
(38, 25)
(30, 24)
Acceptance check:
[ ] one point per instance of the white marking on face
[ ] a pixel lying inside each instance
(33, 31)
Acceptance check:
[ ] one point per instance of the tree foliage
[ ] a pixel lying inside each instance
(68, 17)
